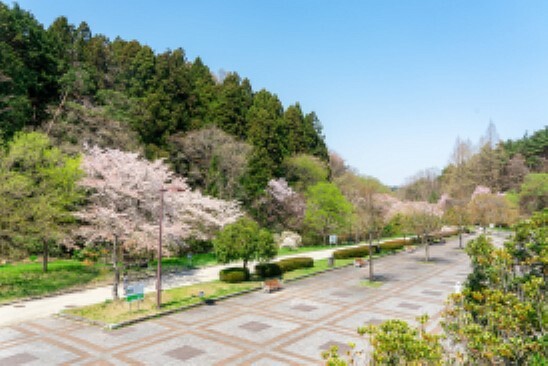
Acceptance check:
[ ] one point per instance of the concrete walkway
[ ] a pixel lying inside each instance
(289, 327)
(40, 308)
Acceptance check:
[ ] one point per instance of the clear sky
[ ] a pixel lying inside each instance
(393, 82)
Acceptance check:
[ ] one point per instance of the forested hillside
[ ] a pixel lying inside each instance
(80, 87)
(517, 169)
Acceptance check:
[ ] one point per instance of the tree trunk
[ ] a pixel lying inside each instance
(370, 257)
(116, 269)
(45, 250)
(426, 247)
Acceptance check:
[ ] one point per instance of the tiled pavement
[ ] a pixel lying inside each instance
(288, 327)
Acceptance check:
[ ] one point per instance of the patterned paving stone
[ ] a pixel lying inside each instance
(43, 352)
(255, 328)
(184, 353)
(187, 349)
(311, 346)
(99, 340)
(203, 314)
(269, 360)
(360, 317)
(305, 309)
(288, 327)
(18, 359)
(11, 334)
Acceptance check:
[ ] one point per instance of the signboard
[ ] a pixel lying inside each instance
(332, 239)
(135, 292)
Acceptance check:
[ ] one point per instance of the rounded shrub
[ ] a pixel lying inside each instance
(234, 274)
(291, 264)
(268, 270)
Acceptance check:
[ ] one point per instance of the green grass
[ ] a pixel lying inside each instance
(372, 284)
(27, 279)
(198, 260)
(118, 311)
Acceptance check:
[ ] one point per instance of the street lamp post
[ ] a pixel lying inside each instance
(159, 269)
(160, 223)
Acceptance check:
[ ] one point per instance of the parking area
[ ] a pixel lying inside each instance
(287, 327)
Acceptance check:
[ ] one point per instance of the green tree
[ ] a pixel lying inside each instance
(235, 97)
(303, 171)
(533, 195)
(500, 317)
(327, 210)
(395, 343)
(423, 222)
(244, 240)
(38, 189)
(28, 70)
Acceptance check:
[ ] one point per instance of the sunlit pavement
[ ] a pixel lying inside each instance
(289, 327)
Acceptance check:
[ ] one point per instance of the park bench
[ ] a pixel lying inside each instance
(359, 262)
(272, 285)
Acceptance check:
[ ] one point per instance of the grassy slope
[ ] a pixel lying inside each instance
(27, 280)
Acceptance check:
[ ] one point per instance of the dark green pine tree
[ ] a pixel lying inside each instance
(203, 95)
(235, 97)
(28, 70)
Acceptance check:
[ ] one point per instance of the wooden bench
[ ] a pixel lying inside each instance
(359, 262)
(272, 285)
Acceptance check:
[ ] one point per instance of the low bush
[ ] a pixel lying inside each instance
(356, 252)
(234, 274)
(290, 264)
(268, 270)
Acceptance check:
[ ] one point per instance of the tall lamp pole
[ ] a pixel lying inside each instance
(159, 269)
(160, 223)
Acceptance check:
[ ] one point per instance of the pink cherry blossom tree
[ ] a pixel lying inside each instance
(124, 203)
(281, 207)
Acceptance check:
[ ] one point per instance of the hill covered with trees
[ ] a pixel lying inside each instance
(80, 87)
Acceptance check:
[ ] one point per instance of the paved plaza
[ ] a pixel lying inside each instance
(289, 327)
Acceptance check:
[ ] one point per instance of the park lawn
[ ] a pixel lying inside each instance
(18, 281)
(118, 311)
(198, 260)
(319, 266)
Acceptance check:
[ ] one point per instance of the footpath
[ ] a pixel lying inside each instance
(44, 307)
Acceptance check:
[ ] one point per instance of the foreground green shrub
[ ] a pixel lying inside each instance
(234, 274)
(268, 270)
(355, 252)
(290, 264)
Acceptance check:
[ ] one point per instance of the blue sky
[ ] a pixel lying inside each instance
(393, 82)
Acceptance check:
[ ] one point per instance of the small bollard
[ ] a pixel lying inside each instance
(331, 261)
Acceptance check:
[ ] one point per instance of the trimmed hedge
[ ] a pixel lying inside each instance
(234, 274)
(268, 270)
(290, 264)
(393, 244)
(356, 252)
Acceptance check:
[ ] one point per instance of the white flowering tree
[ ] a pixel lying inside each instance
(282, 205)
(124, 203)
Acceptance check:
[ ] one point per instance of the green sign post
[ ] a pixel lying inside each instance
(135, 293)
